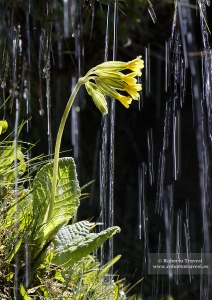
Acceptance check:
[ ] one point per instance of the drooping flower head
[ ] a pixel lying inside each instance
(107, 78)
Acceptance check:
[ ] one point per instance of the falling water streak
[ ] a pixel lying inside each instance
(73, 14)
(3, 84)
(95, 164)
(107, 33)
(187, 238)
(157, 278)
(92, 17)
(200, 126)
(160, 182)
(14, 67)
(167, 66)
(152, 13)
(147, 70)
(16, 266)
(66, 18)
(182, 82)
(168, 203)
(144, 214)
(59, 45)
(112, 139)
(206, 67)
(183, 34)
(104, 152)
(171, 40)
(21, 70)
(47, 70)
(28, 64)
(176, 144)
(193, 109)
(140, 100)
(178, 242)
(139, 203)
(150, 156)
(40, 54)
(162, 159)
(102, 201)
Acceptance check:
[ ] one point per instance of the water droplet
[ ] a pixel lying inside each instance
(77, 108)
(25, 93)
(73, 35)
(41, 112)
(3, 84)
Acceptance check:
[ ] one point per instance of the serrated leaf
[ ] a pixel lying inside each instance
(66, 199)
(72, 251)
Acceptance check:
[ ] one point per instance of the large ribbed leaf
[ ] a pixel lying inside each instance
(71, 232)
(66, 199)
(67, 252)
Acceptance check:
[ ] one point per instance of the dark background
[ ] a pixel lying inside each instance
(42, 35)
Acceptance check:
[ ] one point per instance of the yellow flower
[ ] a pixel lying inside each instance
(133, 90)
(125, 100)
(136, 65)
(128, 78)
(97, 96)
(108, 79)
(113, 66)
(108, 90)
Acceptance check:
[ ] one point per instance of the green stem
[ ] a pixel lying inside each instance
(58, 142)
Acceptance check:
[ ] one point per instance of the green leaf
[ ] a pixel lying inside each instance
(108, 266)
(71, 232)
(68, 252)
(3, 126)
(58, 276)
(24, 293)
(86, 185)
(17, 246)
(7, 167)
(66, 199)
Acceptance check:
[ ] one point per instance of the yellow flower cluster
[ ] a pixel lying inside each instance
(107, 78)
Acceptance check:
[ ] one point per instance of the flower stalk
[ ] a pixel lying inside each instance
(80, 82)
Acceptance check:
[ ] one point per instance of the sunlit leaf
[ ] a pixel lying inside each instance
(3, 126)
(24, 293)
(66, 200)
(68, 252)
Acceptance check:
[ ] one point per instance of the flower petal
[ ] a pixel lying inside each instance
(108, 90)
(125, 100)
(117, 84)
(129, 78)
(135, 65)
(112, 66)
(97, 97)
(133, 90)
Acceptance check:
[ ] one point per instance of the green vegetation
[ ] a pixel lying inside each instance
(41, 257)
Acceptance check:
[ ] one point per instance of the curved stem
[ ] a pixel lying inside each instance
(58, 142)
